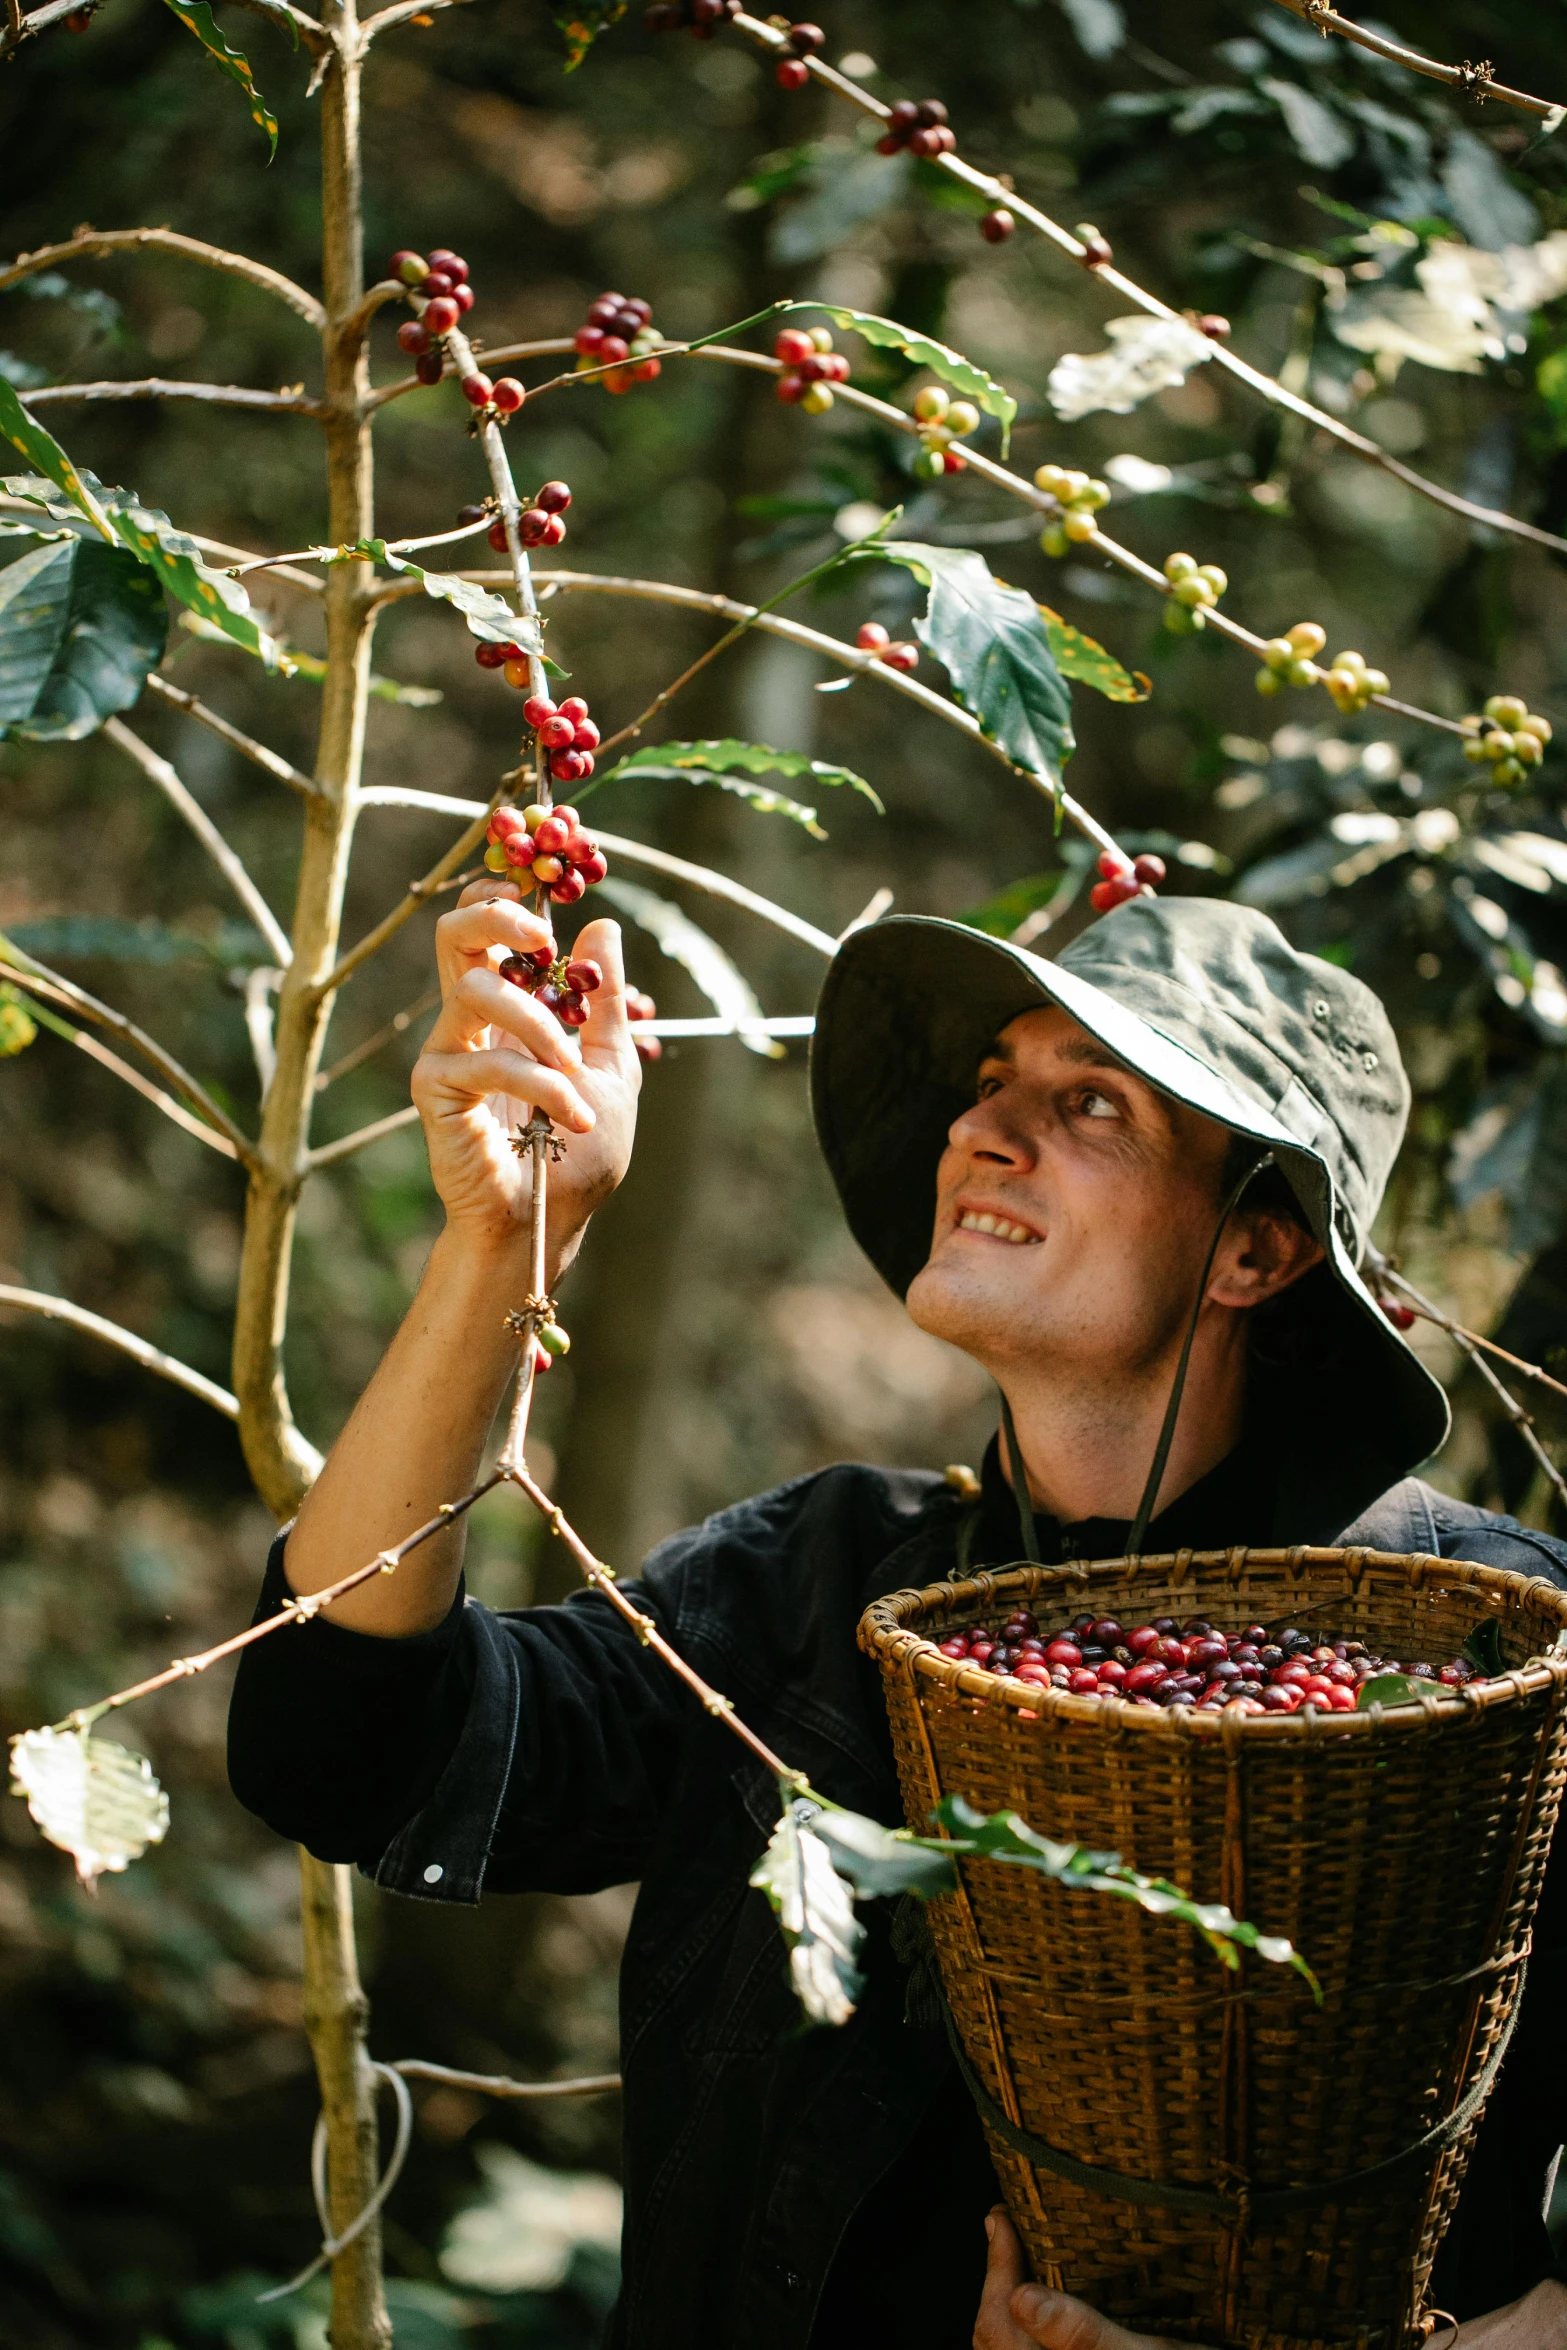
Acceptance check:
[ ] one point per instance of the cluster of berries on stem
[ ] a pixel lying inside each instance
(920, 125)
(561, 984)
(1510, 738)
(440, 287)
(539, 524)
(1124, 878)
(805, 40)
(617, 335)
(942, 420)
(545, 848)
(871, 637)
(701, 17)
(1194, 590)
(810, 368)
(1291, 659)
(1079, 496)
(1162, 1663)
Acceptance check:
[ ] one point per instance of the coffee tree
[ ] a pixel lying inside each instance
(91, 580)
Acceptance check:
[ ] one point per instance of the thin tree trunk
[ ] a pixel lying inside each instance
(336, 2015)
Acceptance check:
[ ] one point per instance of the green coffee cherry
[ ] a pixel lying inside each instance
(930, 404)
(928, 465)
(1053, 540)
(962, 417)
(553, 1339)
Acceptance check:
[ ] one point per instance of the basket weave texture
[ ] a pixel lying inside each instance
(1400, 1849)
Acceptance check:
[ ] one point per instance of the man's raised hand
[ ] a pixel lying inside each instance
(1014, 2315)
(495, 1053)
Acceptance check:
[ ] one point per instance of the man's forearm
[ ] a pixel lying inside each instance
(415, 1439)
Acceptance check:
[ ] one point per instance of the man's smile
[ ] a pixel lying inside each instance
(995, 1227)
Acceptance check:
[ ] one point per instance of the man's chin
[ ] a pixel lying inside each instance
(961, 1307)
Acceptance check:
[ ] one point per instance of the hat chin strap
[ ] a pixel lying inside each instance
(1172, 1410)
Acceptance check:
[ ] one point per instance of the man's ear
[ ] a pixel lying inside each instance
(1263, 1253)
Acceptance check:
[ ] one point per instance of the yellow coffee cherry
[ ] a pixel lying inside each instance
(962, 417)
(821, 336)
(1474, 748)
(1303, 672)
(1278, 652)
(1377, 682)
(1306, 638)
(1507, 710)
(1093, 494)
(1527, 747)
(930, 406)
(1053, 539)
(495, 858)
(1507, 771)
(1533, 723)
(1055, 481)
(1193, 591)
(1079, 527)
(1497, 745)
(1268, 682)
(1180, 566)
(816, 399)
(1218, 580)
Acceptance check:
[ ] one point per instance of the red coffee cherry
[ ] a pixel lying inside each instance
(592, 867)
(1149, 868)
(791, 73)
(551, 836)
(430, 368)
(585, 976)
(508, 395)
(556, 733)
(574, 708)
(537, 708)
(477, 390)
(571, 886)
(437, 282)
(442, 315)
(490, 656)
(586, 737)
(497, 537)
(997, 226)
(463, 297)
(903, 657)
(453, 264)
(532, 523)
(612, 350)
(414, 336)
(554, 497)
(587, 340)
(871, 637)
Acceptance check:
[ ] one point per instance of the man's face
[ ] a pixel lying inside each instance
(1074, 1210)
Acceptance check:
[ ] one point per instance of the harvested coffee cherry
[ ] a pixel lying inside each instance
(1160, 1663)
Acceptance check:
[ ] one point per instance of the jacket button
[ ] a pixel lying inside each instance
(434, 1873)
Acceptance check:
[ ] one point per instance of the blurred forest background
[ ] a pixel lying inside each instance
(156, 2087)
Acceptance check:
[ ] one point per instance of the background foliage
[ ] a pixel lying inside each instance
(157, 2098)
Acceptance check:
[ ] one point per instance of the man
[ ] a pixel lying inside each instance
(1052, 1162)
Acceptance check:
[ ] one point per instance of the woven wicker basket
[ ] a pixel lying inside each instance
(1400, 1850)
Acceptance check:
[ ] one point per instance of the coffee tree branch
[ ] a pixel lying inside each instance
(152, 1358)
(227, 861)
(89, 242)
(1475, 81)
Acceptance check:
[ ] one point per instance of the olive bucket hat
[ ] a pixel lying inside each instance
(1206, 1000)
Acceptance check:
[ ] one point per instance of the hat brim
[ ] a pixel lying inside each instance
(910, 1006)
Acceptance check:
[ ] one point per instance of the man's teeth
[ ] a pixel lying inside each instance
(972, 1221)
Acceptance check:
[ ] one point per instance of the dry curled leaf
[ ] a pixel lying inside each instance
(94, 1799)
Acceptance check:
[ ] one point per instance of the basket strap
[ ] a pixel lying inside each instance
(1241, 2209)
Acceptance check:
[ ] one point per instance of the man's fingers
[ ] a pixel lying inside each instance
(447, 1082)
(600, 942)
(994, 2328)
(486, 917)
(1060, 2323)
(482, 999)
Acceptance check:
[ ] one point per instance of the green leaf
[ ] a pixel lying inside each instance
(197, 18)
(150, 535)
(581, 26)
(1483, 1648)
(1081, 657)
(488, 616)
(80, 626)
(815, 1908)
(1005, 914)
(730, 764)
(991, 638)
(1384, 1689)
(884, 1861)
(1005, 1838)
(44, 453)
(17, 1025)
(962, 375)
(724, 985)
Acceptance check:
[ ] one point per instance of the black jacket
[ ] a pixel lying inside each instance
(547, 1750)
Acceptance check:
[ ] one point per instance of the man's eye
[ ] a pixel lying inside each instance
(1097, 1105)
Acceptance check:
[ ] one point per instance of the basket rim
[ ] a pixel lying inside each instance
(885, 1635)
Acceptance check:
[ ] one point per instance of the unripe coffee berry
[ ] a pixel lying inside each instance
(519, 674)
(816, 399)
(410, 268)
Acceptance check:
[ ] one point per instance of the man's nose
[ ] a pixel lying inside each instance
(991, 1130)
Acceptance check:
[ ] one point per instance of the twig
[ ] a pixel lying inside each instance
(1473, 80)
(439, 538)
(14, 31)
(331, 1152)
(388, 289)
(1471, 1346)
(403, 13)
(416, 2068)
(201, 824)
(259, 986)
(168, 240)
(320, 42)
(770, 38)
(489, 359)
(157, 387)
(493, 442)
(418, 891)
(151, 1358)
(636, 852)
(245, 744)
(155, 1094)
(34, 976)
(21, 28)
(383, 1036)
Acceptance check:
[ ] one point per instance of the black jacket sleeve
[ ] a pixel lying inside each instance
(525, 1751)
